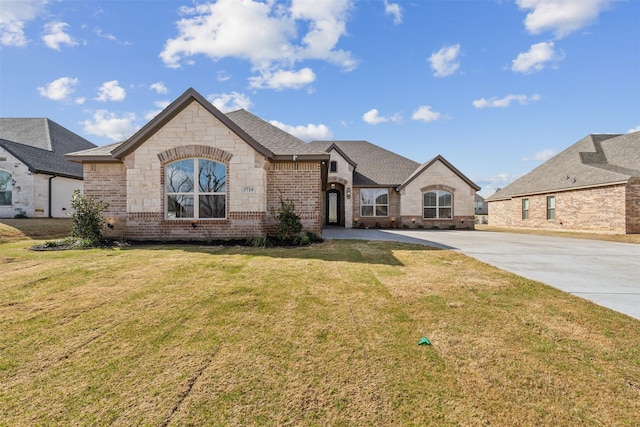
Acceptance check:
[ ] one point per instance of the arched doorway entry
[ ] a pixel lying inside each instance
(335, 207)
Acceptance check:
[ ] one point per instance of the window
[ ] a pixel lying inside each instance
(182, 191)
(525, 208)
(333, 166)
(551, 207)
(374, 202)
(437, 204)
(6, 186)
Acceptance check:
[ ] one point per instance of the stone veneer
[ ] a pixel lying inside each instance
(613, 208)
(134, 189)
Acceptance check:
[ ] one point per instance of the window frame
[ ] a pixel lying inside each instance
(195, 192)
(7, 183)
(437, 206)
(551, 210)
(375, 206)
(333, 166)
(525, 208)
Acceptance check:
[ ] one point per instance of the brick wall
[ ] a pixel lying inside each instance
(593, 209)
(107, 182)
(632, 203)
(301, 183)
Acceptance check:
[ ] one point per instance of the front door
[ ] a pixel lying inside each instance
(333, 207)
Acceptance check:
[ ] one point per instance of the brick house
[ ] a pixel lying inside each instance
(194, 173)
(594, 185)
(35, 178)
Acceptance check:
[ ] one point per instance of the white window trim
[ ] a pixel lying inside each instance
(437, 207)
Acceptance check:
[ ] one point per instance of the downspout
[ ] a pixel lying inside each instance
(50, 192)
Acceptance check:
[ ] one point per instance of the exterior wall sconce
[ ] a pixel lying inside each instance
(413, 220)
(194, 225)
(356, 219)
(109, 225)
(348, 192)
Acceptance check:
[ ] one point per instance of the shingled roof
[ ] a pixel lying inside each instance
(270, 141)
(375, 166)
(41, 145)
(595, 160)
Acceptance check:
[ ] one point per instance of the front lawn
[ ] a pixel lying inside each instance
(320, 335)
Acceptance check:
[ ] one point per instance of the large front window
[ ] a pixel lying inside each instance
(374, 202)
(196, 188)
(437, 204)
(6, 186)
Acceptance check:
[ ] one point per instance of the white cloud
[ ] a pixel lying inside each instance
(541, 156)
(492, 183)
(59, 89)
(373, 117)
(160, 105)
(111, 91)
(635, 129)
(394, 10)
(307, 133)
(506, 101)
(536, 58)
(14, 16)
(55, 35)
(226, 102)
(263, 33)
(425, 114)
(222, 76)
(445, 61)
(562, 17)
(159, 87)
(108, 124)
(281, 79)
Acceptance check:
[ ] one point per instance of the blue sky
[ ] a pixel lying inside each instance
(495, 86)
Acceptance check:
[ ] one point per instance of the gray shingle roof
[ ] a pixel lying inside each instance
(375, 165)
(41, 144)
(269, 136)
(595, 160)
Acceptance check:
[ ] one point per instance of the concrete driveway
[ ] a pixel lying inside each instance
(606, 273)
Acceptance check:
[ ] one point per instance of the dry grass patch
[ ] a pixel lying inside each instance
(321, 335)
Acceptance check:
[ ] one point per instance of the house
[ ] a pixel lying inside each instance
(594, 185)
(35, 178)
(194, 173)
(481, 205)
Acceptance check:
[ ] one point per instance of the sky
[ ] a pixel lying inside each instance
(495, 86)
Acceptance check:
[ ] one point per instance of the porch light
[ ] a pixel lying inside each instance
(348, 192)
(413, 220)
(194, 225)
(109, 225)
(356, 219)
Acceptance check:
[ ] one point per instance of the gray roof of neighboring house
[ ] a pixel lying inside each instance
(41, 144)
(268, 140)
(595, 160)
(374, 165)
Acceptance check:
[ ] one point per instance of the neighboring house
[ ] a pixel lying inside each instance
(35, 178)
(481, 205)
(594, 185)
(194, 173)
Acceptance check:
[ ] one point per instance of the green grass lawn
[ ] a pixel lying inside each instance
(321, 335)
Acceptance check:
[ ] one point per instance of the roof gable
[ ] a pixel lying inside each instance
(595, 160)
(423, 167)
(164, 117)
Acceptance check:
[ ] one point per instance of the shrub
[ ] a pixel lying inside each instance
(260, 242)
(88, 222)
(20, 216)
(289, 224)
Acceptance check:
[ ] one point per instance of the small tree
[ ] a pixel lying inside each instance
(289, 224)
(88, 222)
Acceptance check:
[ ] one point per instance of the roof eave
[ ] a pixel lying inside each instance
(556, 190)
(299, 157)
(103, 158)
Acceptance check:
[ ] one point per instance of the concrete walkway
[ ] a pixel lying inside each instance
(606, 273)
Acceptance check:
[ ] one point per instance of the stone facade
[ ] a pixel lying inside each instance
(134, 189)
(613, 208)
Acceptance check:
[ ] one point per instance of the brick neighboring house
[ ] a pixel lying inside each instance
(594, 185)
(194, 173)
(35, 178)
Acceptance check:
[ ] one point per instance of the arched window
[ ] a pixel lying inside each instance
(196, 188)
(438, 204)
(6, 187)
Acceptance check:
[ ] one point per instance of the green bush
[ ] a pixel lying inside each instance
(289, 224)
(88, 222)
